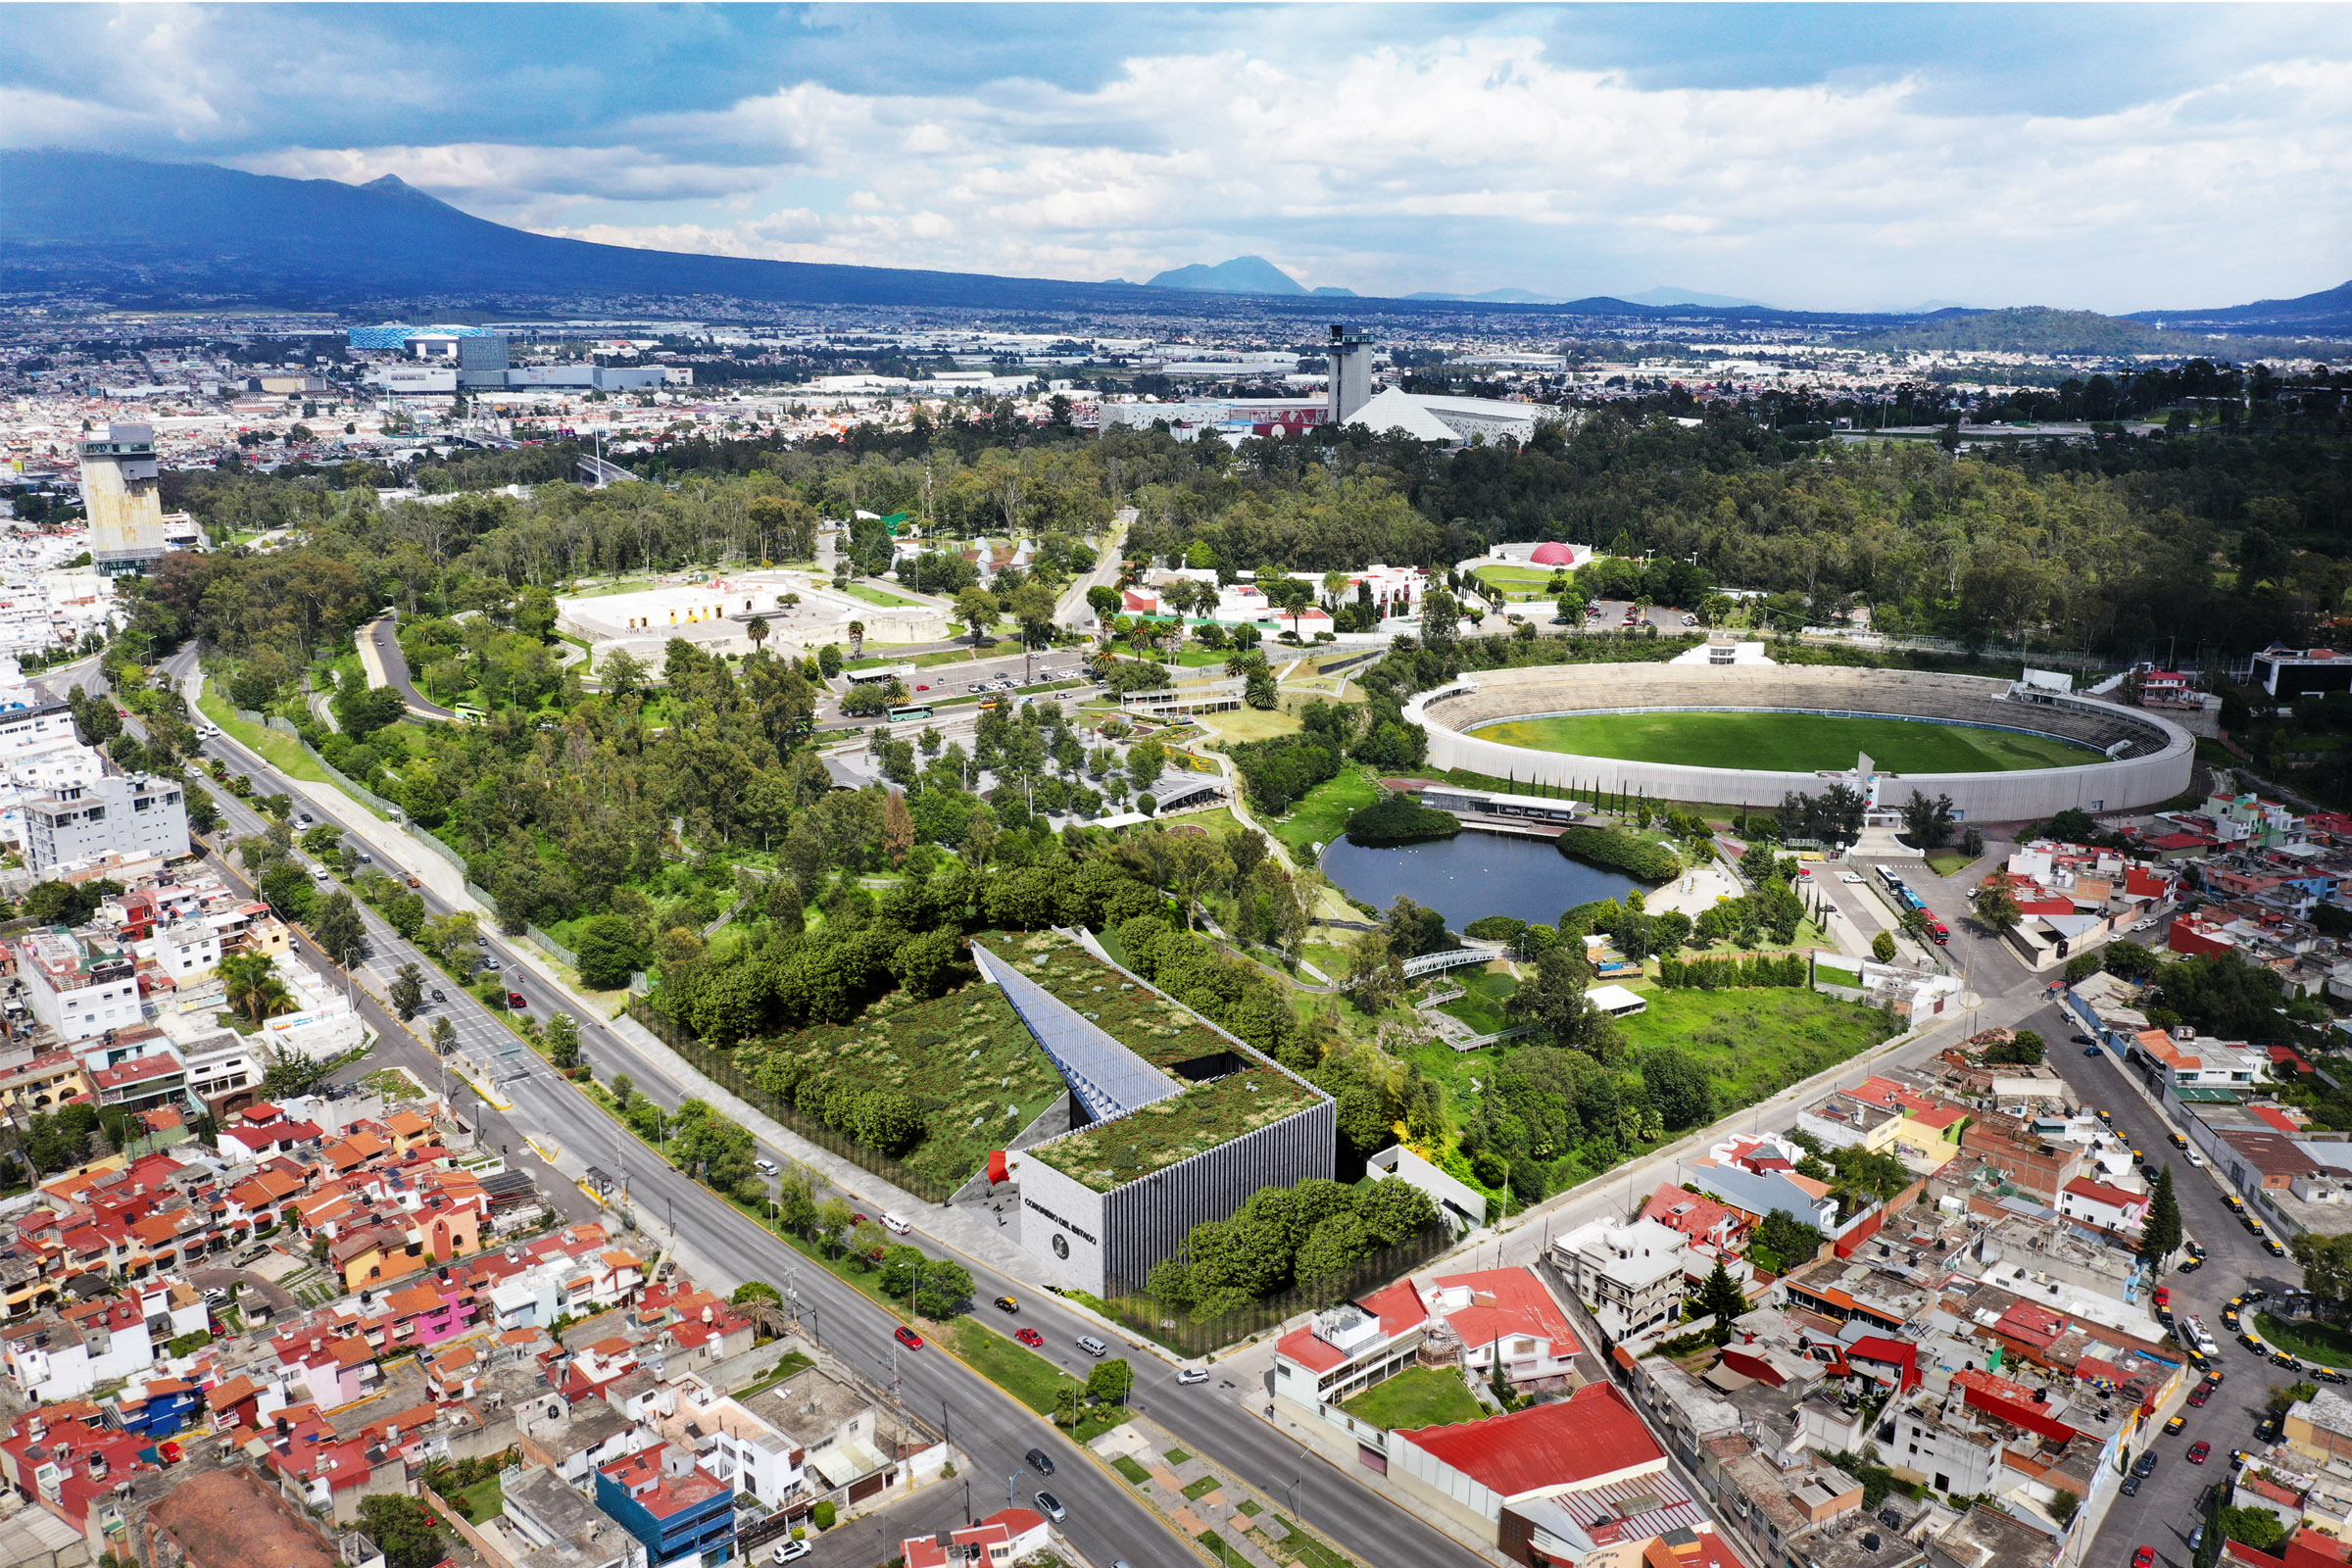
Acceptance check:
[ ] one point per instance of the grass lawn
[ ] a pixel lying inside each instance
(1752, 1041)
(280, 751)
(877, 596)
(1756, 1041)
(483, 1501)
(1029, 1377)
(1482, 1009)
(1788, 741)
(1322, 815)
(1421, 1397)
(1518, 583)
(1949, 862)
(1250, 723)
(1198, 658)
(1201, 1486)
(2324, 1342)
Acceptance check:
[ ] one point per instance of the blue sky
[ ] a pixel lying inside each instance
(2109, 157)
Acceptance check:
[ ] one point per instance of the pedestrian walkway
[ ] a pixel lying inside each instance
(1232, 1521)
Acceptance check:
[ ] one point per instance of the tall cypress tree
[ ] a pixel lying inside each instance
(1720, 1298)
(2160, 1237)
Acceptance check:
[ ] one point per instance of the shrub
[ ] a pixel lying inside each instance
(1619, 851)
(1401, 820)
(821, 1515)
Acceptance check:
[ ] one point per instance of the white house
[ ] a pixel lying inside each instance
(80, 987)
(2108, 1207)
(1629, 1276)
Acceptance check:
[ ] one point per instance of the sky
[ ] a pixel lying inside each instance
(2106, 157)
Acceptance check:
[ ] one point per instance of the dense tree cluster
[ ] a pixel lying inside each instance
(1300, 1236)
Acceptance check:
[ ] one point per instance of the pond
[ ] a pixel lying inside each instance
(1472, 875)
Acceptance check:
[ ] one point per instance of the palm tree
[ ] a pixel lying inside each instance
(856, 636)
(757, 630)
(250, 982)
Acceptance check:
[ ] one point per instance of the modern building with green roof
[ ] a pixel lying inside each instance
(1176, 1122)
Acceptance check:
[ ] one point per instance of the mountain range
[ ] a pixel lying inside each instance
(149, 235)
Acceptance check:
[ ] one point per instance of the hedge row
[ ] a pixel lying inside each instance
(1725, 974)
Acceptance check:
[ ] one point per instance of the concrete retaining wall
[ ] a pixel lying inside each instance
(2162, 770)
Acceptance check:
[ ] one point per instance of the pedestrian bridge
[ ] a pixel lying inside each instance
(1468, 953)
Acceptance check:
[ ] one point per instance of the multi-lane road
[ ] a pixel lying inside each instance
(1106, 1520)
(2167, 1507)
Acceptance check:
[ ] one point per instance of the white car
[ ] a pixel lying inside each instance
(1849, 876)
(1192, 1374)
(766, 1167)
(792, 1551)
(895, 1225)
(320, 874)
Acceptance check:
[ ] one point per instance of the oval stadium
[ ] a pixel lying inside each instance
(1746, 734)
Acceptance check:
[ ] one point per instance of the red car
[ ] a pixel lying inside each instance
(516, 998)
(2199, 1451)
(1029, 1337)
(2144, 1557)
(2201, 1395)
(909, 1338)
(2163, 1297)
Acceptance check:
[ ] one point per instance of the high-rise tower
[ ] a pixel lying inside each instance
(1350, 371)
(120, 496)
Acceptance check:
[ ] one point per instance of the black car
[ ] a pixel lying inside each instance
(2131, 1485)
(2257, 1295)
(2085, 1040)
(1041, 1461)
(2144, 1465)
(2326, 1374)
(2190, 1265)
(437, 996)
(2281, 1358)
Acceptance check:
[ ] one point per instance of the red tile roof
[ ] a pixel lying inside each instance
(1509, 1300)
(2100, 1193)
(1591, 1433)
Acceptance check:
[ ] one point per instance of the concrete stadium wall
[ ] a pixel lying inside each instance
(2162, 770)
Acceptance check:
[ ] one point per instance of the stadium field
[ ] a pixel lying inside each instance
(1789, 743)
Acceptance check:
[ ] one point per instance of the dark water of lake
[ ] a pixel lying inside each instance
(1472, 875)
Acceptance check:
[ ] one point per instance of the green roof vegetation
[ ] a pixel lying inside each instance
(1167, 1132)
(970, 1065)
(1160, 1031)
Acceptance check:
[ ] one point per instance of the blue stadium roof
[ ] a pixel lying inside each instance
(1108, 1079)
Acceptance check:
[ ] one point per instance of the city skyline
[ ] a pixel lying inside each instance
(2103, 158)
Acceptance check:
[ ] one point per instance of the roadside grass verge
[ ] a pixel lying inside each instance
(281, 752)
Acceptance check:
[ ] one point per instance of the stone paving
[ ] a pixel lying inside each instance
(1232, 1521)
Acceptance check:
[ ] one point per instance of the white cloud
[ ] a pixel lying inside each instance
(1467, 163)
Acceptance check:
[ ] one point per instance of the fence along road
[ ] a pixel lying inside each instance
(722, 1246)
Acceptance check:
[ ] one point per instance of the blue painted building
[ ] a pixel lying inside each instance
(661, 1498)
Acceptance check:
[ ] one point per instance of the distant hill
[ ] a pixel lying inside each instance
(137, 230)
(1685, 296)
(2327, 311)
(2029, 329)
(1244, 275)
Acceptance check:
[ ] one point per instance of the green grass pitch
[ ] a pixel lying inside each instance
(1789, 743)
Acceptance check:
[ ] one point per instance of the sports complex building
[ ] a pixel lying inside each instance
(2028, 749)
(1173, 1122)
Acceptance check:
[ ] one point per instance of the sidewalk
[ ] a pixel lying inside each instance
(1230, 1521)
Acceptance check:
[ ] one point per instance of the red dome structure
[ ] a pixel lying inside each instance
(1553, 554)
